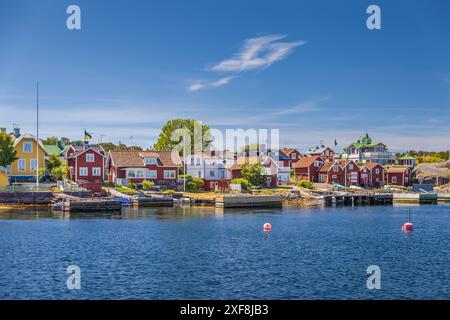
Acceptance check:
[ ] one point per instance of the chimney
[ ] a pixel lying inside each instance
(16, 132)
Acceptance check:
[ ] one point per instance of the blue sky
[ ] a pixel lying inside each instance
(311, 69)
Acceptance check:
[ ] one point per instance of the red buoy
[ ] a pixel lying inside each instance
(407, 227)
(267, 227)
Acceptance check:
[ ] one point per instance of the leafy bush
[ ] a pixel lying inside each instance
(169, 191)
(252, 172)
(127, 191)
(305, 184)
(132, 185)
(108, 184)
(245, 184)
(147, 185)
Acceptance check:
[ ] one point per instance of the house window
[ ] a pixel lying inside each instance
(394, 179)
(83, 171)
(139, 174)
(33, 164)
(27, 147)
(350, 166)
(293, 156)
(223, 174)
(377, 170)
(89, 157)
(21, 165)
(192, 161)
(169, 174)
(199, 174)
(150, 161)
(131, 174)
(198, 161)
(211, 173)
(96, 172)
(150, 174)
(334, 176)
(335, 168)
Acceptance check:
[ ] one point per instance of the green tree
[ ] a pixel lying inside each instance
(165, 142)
(61, 172)
(51, 140)
(252, 172)
(53, 162)
(7, 152)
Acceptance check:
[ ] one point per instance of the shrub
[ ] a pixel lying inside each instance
(169, 191)
(245, 184)
(127, 191)
(305, 184)
(147, 185)
(132, 185)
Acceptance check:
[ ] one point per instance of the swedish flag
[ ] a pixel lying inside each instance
(87, 135)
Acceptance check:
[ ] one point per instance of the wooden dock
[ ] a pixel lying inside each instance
(153, 201)
(99, 205)
(422, 197)
(443, 197)
(245, 201)
(351, 199)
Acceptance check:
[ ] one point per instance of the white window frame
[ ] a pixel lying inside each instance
(170, 174)
(335, 168)
(377, 170)
(90, 157)
(32, 168)
(151, 174)
(394, 179)
(27, 143)
(24, 167)
(83, 170)
(293, 155)
(150, 161)
(95, 170)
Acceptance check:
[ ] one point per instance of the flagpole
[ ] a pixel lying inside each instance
(37, 134)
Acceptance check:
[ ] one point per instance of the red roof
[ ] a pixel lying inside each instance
(397, 169)
(135, 158)
(306, 161)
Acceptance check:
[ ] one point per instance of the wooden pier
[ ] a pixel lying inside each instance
(98, 205)
(422, 197)
(443, 197)
(245, 201)
(355, 199)
(153, 201)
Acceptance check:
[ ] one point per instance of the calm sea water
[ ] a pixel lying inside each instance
(204, 253)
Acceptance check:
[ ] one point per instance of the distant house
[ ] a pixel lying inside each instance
(368, 151)
(371, 175)
(400, 176)
(24, 168)
(326, 153)
(307, 168)
(351, 172)
(269, 168)
(55, 149)
(86, 166)
(284, 166)
(292, 154)
(211, 166)
(331, 172)
(407, 160)
(136, 166)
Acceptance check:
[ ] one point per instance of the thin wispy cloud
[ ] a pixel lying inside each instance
(256, 54)
(209, 84)
(308, 106)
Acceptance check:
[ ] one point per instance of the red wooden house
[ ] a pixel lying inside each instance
(136, 166)
(293, 156)
(371, 175)
(307, 168)
(86, 166)
(269, 168)
(351, 172)
(400, 176)
(326, 153)
(331, 172)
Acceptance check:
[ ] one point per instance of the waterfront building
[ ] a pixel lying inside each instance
(292, 154)
(331, 172)
(86, 166)
(31, 157)
(400, 176)
(351, 172)
(371, 175)
(135, 166)
(307, 168)
(368, 151)
(269, 168)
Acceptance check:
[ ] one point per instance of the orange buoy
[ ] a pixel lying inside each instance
(407, 227)
(267, 227)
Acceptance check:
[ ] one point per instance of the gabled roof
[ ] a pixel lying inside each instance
(135, 158)
(288, 151)
(283, 156)
(370, 165)
(306, 161)
(344, 162)
(397, 169)
(318, 151)
(328, 165)
(93, 148)
(27, 136)
(365, 142)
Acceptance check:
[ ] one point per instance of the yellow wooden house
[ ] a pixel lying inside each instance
(24, 168)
